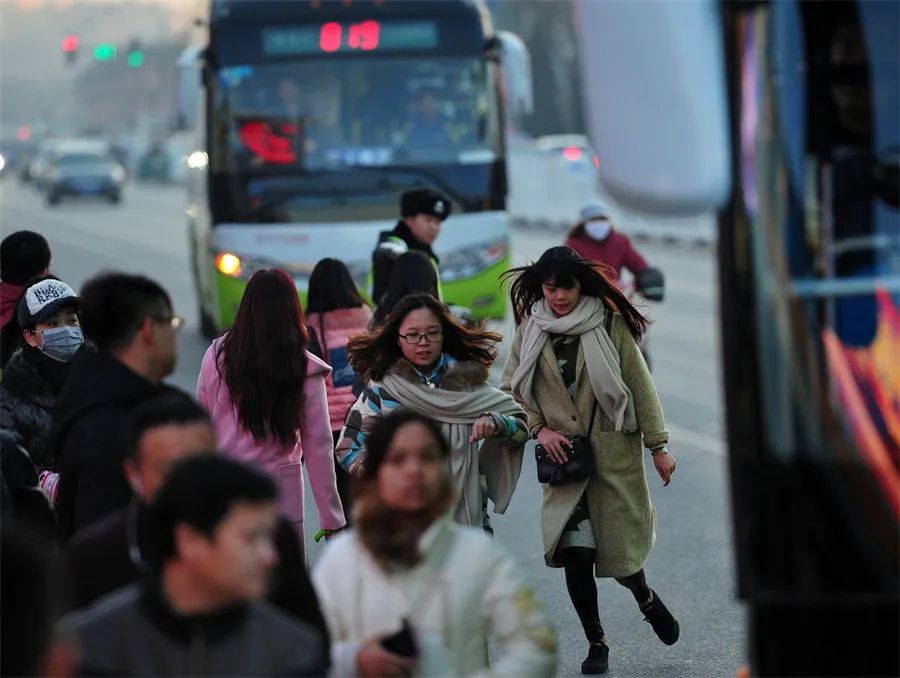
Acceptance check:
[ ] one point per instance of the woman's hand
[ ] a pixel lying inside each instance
(374, 661)
(484, 427)
(665, 466)
(556, 444)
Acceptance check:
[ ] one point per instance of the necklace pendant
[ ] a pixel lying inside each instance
(431, 385)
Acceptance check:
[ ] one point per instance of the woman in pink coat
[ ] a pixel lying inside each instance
(267, 398)
(336, 310)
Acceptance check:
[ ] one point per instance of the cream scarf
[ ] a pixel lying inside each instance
(586, 321)
(499, 460)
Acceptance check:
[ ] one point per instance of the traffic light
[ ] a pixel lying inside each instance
(135, 54)
(70, 48)
(105, 51)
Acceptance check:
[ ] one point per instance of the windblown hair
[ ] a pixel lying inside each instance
(263, 358)
(331, 288)
(413, 273)
(562, 267)
(372, 354)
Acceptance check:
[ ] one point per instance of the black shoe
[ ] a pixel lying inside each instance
(597, 660)
(662, 621)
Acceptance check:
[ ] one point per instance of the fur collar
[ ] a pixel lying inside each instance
(462, 376)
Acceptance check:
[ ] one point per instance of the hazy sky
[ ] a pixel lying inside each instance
(182, 10)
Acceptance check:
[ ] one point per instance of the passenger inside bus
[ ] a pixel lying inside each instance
(429, 127)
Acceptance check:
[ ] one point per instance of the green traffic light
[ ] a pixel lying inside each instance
(136, 59)
(105, 52)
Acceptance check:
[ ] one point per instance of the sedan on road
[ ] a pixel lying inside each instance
(83, 174)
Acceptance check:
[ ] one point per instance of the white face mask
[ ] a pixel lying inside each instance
(599, 229)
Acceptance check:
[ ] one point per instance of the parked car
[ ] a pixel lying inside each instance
(81, 174)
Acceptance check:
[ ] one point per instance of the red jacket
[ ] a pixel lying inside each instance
(616, 251)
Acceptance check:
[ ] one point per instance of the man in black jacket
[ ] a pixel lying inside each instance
(130, 321)
(201, 612)
(116, 550)
(422, 213)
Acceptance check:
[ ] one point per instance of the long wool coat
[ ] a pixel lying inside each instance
(618, 498)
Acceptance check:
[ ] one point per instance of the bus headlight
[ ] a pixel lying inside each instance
(467, 262)
(240, 266)
(229, 264)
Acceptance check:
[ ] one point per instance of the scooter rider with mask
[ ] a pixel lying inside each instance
(36, 373)
(423, 211)
(596, 239)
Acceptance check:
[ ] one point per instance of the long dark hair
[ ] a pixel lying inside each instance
(263, 358)
(563, 267)
(373, 353)
(331, 288)
(413, 273)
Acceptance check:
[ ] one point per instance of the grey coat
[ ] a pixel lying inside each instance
(134, 632)
(618, 499)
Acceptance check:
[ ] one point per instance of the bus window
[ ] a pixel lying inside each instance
(377, 112)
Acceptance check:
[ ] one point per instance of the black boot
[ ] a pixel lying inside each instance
(662, 621)
(597, 660)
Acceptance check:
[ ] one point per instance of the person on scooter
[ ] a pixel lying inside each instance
(596, 239)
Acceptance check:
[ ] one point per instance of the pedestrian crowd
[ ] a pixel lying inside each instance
(147, 531)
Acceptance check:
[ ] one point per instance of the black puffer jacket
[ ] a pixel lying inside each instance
(31, 383)
(90, 438)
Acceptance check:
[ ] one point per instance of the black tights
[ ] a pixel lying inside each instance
(579, 567)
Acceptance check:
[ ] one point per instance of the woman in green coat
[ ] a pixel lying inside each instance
(576, 369)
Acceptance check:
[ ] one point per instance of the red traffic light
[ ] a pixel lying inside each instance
(70, 43)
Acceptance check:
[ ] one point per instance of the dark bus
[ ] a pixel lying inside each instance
(784, 117)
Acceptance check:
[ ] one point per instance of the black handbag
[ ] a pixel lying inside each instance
(581, 464)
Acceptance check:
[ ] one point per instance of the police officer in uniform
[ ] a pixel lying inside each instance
(423, 211)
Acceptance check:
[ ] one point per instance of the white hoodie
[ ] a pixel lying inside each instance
(466, 589)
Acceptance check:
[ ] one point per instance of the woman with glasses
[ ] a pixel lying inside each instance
(267, 399)
(422, 359)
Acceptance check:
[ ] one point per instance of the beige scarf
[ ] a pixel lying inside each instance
(499, 460)
(586, 321)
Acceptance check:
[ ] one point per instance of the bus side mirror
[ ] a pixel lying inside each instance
(656, 102)
(516, 62)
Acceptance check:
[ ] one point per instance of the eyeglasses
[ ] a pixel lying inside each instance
(176, 321)
(429, 337)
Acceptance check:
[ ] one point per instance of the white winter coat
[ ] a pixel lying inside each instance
(466, 589)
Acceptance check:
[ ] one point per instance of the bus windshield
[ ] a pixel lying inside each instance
(313, 115)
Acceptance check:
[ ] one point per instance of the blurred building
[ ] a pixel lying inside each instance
(548, 29)
(37, 81)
